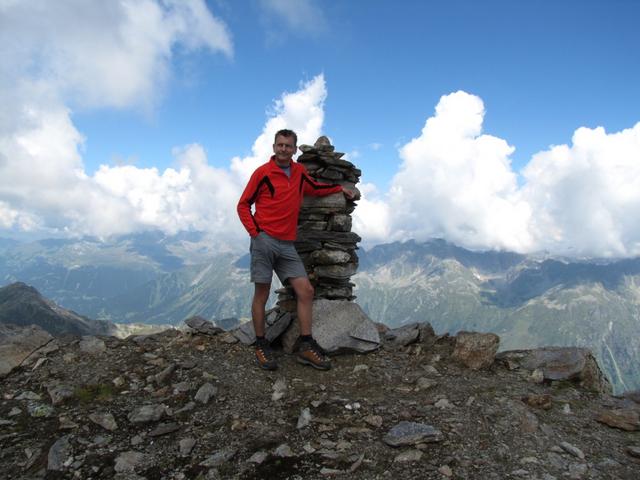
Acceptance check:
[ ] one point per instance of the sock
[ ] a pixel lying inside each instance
(306, 338)
(260, 339)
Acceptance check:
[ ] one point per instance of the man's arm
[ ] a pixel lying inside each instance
(247, 199)
(317, 189)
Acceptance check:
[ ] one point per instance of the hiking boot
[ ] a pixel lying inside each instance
(264, 355)
(310, 353)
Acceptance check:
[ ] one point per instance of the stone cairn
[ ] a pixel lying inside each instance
(325, 243)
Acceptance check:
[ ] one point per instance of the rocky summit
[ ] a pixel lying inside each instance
(193, 405)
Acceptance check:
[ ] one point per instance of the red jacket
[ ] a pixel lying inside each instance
(278, 199)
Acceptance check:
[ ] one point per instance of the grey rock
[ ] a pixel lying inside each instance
(342, 238)
(164, 429)
(427, 334)
(18, 343)
(202, 325)
(411, 433)
(275, 322)
(476, 350)
(279, 389)
(560, 363)
(205, 392)
(228, 338)
(130, 461)
(338, 326)
(92, 345)
(577, 471)
(634, 451)
(147, 414)
(373, 420)
(105, 420)
(329, 257)
(163, 377)
(39, 410)
(401, 337)
(332, 203)
(283, 451)
(186, 445)
(337, 272)
(340, 223)
(258, 458)
(633, 395)
(424, 383)
(409, 456)
(219, 457)
(304, 419)
(621, 418)
(573, 450)
(29, 395)
(59, 454)
(59, 393)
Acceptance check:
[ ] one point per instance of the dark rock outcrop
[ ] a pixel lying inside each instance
(22, 305)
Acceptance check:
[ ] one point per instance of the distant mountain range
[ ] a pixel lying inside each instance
(528, 301)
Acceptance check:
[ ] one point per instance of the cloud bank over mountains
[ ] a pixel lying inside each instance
(454, 181)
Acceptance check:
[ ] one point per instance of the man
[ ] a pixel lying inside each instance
(277, 189)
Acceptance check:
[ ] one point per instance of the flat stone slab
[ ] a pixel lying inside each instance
(275, 322)
(411, 433)
(402, 336)
(560, 363)
(339, 326)
(623, 419)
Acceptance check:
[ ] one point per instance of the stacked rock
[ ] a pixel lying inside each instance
(325, 243)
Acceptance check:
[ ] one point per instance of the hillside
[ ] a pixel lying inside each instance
(23, 305)
(183, 405)
(529, 301)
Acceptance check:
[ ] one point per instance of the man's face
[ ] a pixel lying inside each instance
(284, 148)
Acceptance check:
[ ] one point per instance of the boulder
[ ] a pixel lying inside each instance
(17, 343)
(92, 345)
(202, 325)
(338, 326)
(476, 350)
(276, 322)
(411, 433)
(402, 336)
(624, 419)
(560, 363)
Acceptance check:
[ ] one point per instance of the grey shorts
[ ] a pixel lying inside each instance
(269, 254)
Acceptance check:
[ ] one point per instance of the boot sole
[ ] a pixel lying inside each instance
(304, 361)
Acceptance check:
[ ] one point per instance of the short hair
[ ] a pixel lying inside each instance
(286, 133)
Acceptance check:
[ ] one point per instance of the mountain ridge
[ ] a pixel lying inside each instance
(529, 301)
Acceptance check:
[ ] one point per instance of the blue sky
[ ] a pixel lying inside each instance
(204, 80)
(542, 68)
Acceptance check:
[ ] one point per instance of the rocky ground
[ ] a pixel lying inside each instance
(180, 405)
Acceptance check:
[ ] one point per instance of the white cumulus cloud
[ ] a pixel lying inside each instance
(97, 53)
(301, 111)
(457, 183)
(586, 196)
(57, 56)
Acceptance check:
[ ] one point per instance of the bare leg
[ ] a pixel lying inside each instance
(260, 297)
(304, 293)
